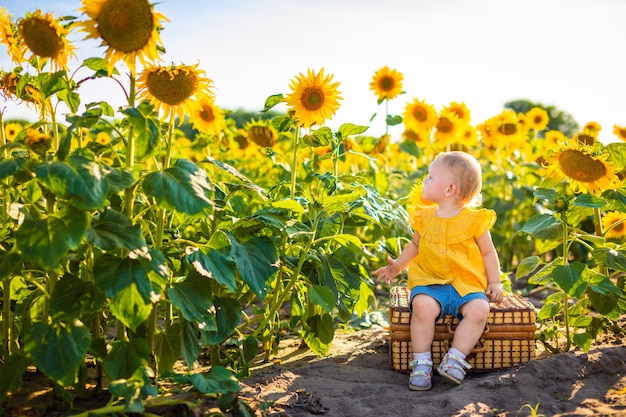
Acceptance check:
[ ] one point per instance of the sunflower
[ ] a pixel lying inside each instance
(387, 83)
(449, 128)
(584, 171)
(103, 137)
(614, 225)
(421, 137)
(314, 98)
(537, 119)
(553, 138)
(460, 109)
(174, 88)
(419, 115)
(620, 132)
(414, 199)
(586, 137)
(593, 127)
(507, 129)
(44, 37)
(261, 132)
(11, 131)
(208, 117)
(9, 36)
(129, 28)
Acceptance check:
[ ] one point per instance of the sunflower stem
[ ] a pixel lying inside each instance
(597, 221)
(565, 296)
(294, 163)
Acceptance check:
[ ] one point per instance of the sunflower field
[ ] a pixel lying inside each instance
(135, 239)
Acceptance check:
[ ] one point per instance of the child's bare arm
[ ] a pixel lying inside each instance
(492, 267)
(394, 267)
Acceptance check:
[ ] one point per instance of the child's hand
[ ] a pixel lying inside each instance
(494, 292)
(388, 272)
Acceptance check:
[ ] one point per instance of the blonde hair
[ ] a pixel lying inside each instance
(467, 174)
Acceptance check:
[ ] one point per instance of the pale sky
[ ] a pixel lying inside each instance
(565, 53)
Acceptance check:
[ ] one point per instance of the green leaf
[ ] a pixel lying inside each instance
(51, 83)
(114, 230)
(272, 101)
(228, 312)
(79, 180)
(611, 258)
(588, 200)
(256, 261)
(538, 223)
(602, 284)
(9, 167)
(291, 205)
(167, 347)
(11, 373)
(319, 333)
(616, 198)
(366, 299)
(125, 357)
(214, 264)
(193, 298)
(569, 278)
(191, 346)
(57, 349)
(322, 296)
(117, 178)
(183, 188)
(605, 304)
(552, 306)
(125, 282)
(219, 381)
(547, 194)
(349, 129)
(146, 129)
(73, 298)
(9, 262)
(528, 266)
(46, 241)
(411, 148)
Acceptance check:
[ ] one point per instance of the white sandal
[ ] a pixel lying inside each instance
(425, 375)
(453, 362)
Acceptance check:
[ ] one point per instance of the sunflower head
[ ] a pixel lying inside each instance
(449, 128)
(419, 115)
(11, 130)
(537, 119)
(207, 117)
(620, 132)
(44, 36)
(261, 132)
(173, 89)
(10, 37)
(584, 171)
(386, 83)
(314, 98)
(553, 138)
(614, 224)
(460, 109)
(128, 28)
(593, 127)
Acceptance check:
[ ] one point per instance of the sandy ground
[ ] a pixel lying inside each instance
(356, 379)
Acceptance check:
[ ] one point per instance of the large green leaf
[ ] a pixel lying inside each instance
(79, 180)
(256, 261)
(193, 298)
(611, 258)
(117, 178)
(228, 312)
(11, 373)
(125, 282)
(319, 333)
(191, 346)
(214, 264)
(125, 357)
(114, 230)
(537, 224)
(57, 349)
(219, 381)
(146, 129)
(183, 188)
(46, 241)
(73, 298)
(322, 296)
(569, 278)
(9, 262)
(9, 167)
(167, 347)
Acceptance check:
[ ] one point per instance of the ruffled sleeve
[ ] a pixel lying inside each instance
(470, 225)
(416, 219)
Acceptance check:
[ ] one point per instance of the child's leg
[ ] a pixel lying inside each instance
(466, 336)
(424, 312)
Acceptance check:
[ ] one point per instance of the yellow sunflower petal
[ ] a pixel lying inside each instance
(45, 37)
(207, 117)
(419, 115)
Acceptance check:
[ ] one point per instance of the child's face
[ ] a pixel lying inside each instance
(437, 184)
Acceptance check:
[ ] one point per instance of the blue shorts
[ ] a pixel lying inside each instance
(448, 298)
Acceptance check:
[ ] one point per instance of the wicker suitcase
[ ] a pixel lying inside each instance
(508, 339)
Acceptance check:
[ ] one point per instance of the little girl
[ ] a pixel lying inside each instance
(457, 271)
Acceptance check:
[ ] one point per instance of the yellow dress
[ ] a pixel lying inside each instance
(448, 252)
